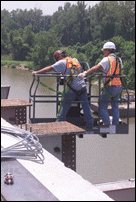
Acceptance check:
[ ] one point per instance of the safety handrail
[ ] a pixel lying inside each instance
(57, 96)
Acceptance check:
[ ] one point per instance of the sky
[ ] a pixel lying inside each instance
(48, 7)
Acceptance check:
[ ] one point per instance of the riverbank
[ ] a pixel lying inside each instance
(21, 66)
(6, 61)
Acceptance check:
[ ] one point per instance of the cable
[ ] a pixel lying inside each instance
(28, 146)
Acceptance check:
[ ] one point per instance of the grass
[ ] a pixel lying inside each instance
(7, 61)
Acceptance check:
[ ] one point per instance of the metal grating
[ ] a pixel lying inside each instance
(69, 151)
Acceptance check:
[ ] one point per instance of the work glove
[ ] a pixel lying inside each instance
(34, 72)
(82, 75)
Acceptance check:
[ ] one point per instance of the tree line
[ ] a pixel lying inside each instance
(81, 31)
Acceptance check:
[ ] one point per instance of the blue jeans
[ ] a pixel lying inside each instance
(104, 102)
(69, 97)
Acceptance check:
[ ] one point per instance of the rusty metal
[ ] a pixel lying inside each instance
(20, 115)
(68, 132)
(14, 103)
(14, 110)
(54, 128)
(69, 151)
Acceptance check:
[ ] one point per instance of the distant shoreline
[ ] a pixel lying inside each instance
(22, 66)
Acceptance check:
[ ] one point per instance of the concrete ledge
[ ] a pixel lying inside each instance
(120, 190)
(63, 183)
(26, 187)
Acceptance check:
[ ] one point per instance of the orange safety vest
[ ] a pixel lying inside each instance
(72, 62)
(115, 81)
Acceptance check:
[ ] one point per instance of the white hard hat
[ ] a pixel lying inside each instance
(109, 45)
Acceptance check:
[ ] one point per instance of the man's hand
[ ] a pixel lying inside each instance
(82, 75)
(34, 72)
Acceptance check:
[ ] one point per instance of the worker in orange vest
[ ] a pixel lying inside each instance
(111, 65)
(70, 67)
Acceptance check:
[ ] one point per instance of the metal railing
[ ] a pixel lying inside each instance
(33, 97)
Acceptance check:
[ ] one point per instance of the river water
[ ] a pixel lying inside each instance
(97, 159)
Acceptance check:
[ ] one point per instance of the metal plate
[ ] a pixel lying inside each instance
(20, 115)
(26, 187)
(4, 91)
(69, 151)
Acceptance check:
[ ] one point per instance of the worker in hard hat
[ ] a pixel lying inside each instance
(71, 68)
(110, 65)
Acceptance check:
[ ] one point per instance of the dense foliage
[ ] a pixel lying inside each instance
(31, 36)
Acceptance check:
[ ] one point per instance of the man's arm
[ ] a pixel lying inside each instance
(44, 70)
(94, 69)
(90, 71)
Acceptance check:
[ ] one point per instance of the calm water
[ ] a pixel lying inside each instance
(98, 159)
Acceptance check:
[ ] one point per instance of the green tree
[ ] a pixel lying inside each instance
(45, 43)
(116, 18)
(127, 20)
(4, 41)
(7, 20)
(18, 49)
(45, 23)
(28, 36)
(131, 79)
(81, 20)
